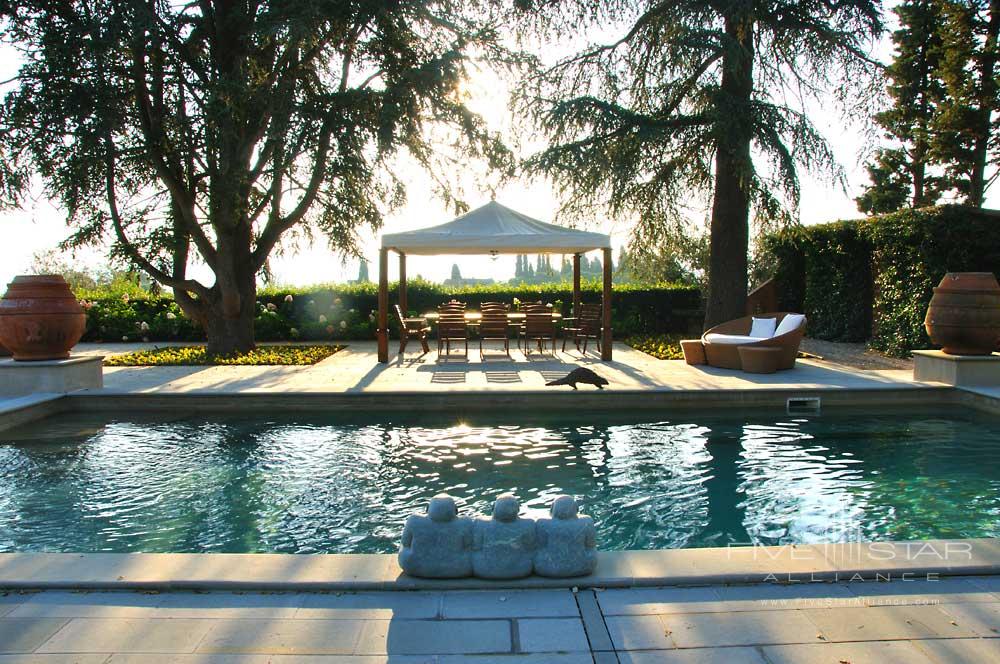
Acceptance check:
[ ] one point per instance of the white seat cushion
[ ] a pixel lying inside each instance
(789, 323)
(732, 339)
(763, 328)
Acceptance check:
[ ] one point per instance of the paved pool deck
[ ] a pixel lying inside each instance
(355, 370)
(944, 621)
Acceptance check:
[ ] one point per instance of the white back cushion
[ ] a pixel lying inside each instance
(762, 328)
(789, 323)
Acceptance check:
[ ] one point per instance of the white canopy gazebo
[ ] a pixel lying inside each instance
(491, 230)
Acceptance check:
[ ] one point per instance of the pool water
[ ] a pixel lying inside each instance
(315, 483)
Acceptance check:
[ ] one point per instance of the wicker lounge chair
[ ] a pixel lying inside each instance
(452, 327)
(722, 342)
(493, 326)
(411, 328)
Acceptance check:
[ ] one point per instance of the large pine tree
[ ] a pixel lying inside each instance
(690, 103)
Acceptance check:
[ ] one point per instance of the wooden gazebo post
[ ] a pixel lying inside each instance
(606, 327)
(382, 332)
(402, 285)
(576, 285)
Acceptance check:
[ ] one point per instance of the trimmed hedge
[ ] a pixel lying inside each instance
(873, 278)
(347, 312)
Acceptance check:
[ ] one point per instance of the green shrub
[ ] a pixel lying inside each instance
(348, 311)
(873, 278)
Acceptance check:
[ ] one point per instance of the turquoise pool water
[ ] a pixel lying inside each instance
(314, 483)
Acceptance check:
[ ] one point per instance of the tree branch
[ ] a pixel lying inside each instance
(189, 285)
(277, 225)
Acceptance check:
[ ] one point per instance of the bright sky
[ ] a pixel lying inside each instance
(41, 226)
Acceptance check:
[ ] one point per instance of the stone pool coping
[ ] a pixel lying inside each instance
(616, 569)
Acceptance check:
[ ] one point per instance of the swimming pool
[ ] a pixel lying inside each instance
(314, 483)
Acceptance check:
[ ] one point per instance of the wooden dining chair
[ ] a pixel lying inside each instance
(452, 326)
(519, 327)
(587, 326)
(411, 329)
(493, 326)
(540, 327)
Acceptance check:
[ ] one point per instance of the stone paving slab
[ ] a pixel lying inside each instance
(960, 651)
(136, 635)
(10, 601)
(545, 603)
(697, 656)
(921, 592)
(982, 618)
(551, 635)
(22, 635)
(887, 623)
(450, 637)
(368, 606)
(901, 652)
(87, 605)
(638, 633)
(702, 630)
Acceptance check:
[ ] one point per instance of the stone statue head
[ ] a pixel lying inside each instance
(442, 508)
(506, 507)
(564, 507)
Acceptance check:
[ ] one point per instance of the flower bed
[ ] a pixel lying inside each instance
(660, 346)
(196, 356)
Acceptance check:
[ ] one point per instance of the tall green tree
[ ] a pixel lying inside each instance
(966, 127)
(689, 105)
(891, 188)
(916, 90)
(209, 131)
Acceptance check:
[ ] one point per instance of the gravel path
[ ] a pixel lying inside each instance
(857, 356)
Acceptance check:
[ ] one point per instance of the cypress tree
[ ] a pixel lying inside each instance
(899, 175)
(965, 140)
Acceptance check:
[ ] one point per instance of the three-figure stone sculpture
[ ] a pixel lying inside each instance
(505, 546)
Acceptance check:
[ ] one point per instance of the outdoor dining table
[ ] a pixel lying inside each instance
(473, 317)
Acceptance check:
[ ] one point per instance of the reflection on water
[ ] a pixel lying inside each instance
(315, 484)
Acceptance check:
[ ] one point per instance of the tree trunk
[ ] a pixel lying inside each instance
(231, 310)
(229, 335)
(730, 228)
(987, 101)
(918, 170)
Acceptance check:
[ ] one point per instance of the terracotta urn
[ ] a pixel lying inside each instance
(40, 318)
(964, 314)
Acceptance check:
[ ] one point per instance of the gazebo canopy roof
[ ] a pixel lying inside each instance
(494, 228)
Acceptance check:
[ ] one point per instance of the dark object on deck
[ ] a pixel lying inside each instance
(581, 375)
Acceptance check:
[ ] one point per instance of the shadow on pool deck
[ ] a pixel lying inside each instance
(355, 369)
